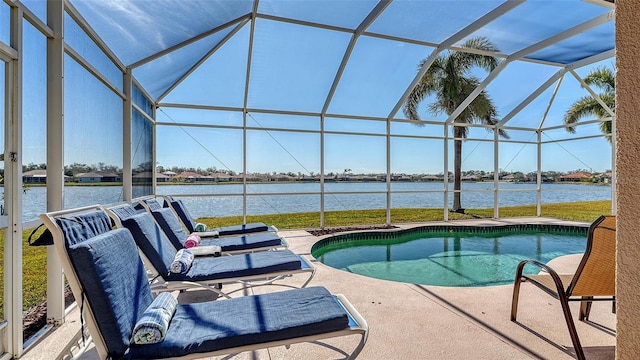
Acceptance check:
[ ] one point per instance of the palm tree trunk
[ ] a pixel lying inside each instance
(457, 169)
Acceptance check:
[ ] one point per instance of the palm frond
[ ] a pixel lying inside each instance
(602, 77)
(584, 107)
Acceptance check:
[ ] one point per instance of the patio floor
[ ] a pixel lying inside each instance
(408, 321)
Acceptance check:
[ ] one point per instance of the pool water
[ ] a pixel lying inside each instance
(449, 259)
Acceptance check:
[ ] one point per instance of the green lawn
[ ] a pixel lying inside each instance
(34, 258)
(582, 211)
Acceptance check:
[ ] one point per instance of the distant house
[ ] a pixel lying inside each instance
(605, 177)
(208, 178)
(162, 178)
(220, 177)
(35, 177)
(309, 178)
(575, 177)
(252, 178)
(110, 177)
(188, 176)
(431, 178)
(282, 177)
(169, 174)
(88, 178)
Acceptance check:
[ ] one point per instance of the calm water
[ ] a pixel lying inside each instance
(342, 196)
(463, 260)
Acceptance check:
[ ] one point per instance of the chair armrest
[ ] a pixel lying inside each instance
(546, 268)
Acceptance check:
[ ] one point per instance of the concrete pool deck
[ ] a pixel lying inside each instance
(408, 321)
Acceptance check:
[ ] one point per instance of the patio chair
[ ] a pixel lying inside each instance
(172, 227)
(594, 279)
(183, 213)
(208, 272)
(105, 272)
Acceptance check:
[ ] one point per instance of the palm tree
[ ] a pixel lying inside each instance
(605, 79)
(449, 78)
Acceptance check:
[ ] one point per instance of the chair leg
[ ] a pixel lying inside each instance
(514, 299)
(572, 327)
(613, 305)
(585, 308)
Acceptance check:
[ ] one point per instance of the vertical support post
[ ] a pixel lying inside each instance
(446, 172)
(388, 211)
(539, 176)
(13, 192)
(245, 111)
(321, 171)
(55, 152)
(127, 141)
(496, 175)
(154, 157)
(244, 166)
(6, 336)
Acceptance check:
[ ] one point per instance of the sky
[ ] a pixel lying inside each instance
(292, 69)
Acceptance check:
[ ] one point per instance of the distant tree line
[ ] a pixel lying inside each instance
(77, 168)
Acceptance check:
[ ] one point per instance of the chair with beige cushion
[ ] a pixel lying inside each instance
(594, 279)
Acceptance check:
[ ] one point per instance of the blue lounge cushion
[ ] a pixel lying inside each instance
(174, 231)
(184, 214)
(224, 267)
(171, 226)
(241, 229)
(151, 240)
(215, 325)
(182, 211)
(81, 227)
(115, 285)
(161, 253)
(125, 211)
(153, 204)
(152, 326)
(246, 242)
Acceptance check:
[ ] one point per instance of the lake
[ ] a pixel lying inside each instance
(304, 197)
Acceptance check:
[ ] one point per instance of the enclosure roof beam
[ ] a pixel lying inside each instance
(373, 15)
(580, 28)
(82, 22)
(533, 96)
(466, 31)
(203, 59)
(589, 24)
(189, 41)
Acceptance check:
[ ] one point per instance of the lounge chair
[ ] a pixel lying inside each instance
(104, 271)
(248, 270)
(594, 279)
(172, 227)
(183, 213)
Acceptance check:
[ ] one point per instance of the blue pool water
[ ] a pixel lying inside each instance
(448, 259)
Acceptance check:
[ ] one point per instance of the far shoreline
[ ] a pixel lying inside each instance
(27, 185)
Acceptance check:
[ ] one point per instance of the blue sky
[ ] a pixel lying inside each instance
(372, 84)
(293, 68)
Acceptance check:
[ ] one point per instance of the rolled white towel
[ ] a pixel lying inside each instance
(181, 262)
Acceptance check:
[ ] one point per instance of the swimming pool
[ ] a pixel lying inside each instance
(449, 256)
